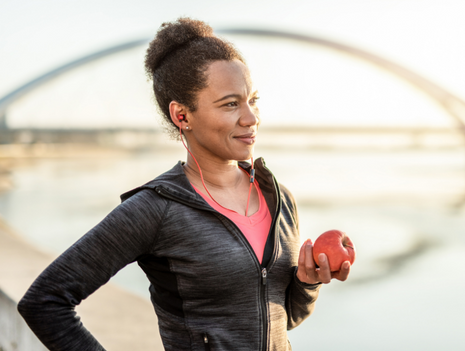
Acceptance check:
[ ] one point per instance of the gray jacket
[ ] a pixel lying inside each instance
(208, 288)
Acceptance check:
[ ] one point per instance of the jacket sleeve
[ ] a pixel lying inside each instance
(49, 305)
(300, 301)
(300, 297)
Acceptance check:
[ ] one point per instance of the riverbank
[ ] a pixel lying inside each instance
(20, 155)
(397, 207)
(120, 320)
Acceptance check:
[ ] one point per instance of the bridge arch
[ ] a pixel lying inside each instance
(452, 104)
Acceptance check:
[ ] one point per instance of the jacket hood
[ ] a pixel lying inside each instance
(175, 183)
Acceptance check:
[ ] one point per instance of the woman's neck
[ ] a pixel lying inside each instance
(227, 184)
(216, 175)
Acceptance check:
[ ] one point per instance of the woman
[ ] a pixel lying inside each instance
(219, 244)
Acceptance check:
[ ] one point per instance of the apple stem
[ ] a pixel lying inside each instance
(349, 246)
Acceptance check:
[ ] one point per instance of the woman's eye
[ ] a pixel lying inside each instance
(231, 104)
(253, 101)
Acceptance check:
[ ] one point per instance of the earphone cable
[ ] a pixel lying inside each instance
(251, 176)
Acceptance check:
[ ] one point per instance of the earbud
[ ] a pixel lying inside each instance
(181, 118)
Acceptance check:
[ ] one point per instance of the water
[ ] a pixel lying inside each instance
(400, 209)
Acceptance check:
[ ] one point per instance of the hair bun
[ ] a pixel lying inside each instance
(177, 60)
(173, 35)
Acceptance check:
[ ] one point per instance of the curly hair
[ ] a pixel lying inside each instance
(177, 59)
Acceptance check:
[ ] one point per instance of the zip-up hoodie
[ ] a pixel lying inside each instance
(207, 286)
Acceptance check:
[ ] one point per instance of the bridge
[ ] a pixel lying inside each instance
(451, 103)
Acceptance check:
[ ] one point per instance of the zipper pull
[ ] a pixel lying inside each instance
(264, 276)
(205, 338)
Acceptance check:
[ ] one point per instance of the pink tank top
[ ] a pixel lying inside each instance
(255, 227)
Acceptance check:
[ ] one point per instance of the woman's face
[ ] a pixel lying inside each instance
(225, 123)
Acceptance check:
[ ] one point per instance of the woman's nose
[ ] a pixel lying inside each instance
(249, 117)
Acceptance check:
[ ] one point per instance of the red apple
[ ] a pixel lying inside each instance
(337, 247)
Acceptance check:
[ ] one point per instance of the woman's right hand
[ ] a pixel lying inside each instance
(307, 272)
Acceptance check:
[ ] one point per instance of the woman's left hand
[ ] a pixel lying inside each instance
(307, 272)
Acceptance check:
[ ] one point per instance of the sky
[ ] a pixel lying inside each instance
(425, 36)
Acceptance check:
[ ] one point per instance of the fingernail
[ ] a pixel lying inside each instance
(308, 242)
(346, 265)
(322, 257)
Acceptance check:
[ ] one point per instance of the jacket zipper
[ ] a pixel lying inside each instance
(264, 271)
(263, 303)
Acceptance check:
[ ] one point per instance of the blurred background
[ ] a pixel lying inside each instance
(362, 118)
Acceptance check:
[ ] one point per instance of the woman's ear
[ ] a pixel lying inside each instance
(177, 109)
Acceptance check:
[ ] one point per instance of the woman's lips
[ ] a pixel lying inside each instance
(248, 139)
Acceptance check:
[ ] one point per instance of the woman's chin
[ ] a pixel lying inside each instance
(246, 156)
(243, 154)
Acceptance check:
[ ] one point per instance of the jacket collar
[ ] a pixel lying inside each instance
(174, 184)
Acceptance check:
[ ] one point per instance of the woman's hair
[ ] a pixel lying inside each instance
(177, 60)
